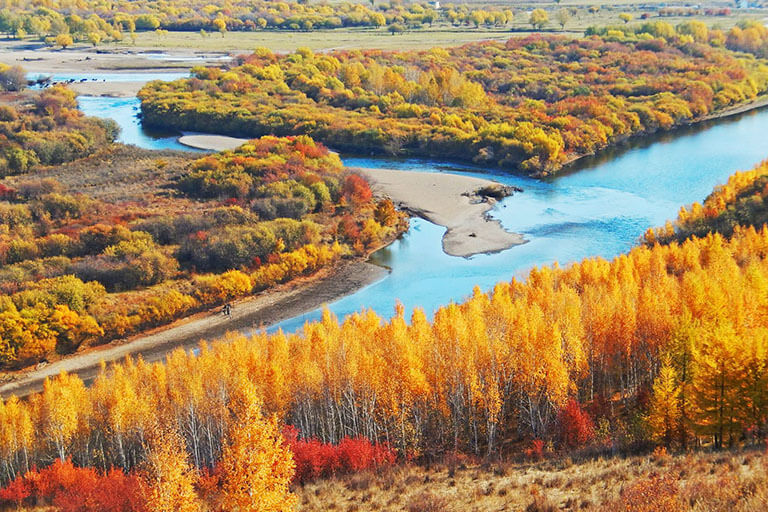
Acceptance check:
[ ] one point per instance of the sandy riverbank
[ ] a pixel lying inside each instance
(448, 200)
(268, 308)
(111, 89)
(211, 142)
(83, 60)
(444, 199)
(128, 62)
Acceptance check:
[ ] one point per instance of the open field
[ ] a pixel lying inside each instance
(703, 482)
(440, 34)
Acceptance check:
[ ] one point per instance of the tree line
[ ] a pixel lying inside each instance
(741, 201)
(748, 36)
(63, 23)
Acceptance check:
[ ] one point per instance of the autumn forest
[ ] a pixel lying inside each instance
(636, 381)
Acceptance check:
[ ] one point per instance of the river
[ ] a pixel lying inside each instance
(600, 208)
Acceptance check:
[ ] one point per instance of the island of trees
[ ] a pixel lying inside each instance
(530, 104)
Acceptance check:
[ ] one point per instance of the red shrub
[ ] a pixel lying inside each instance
(356, 189)
(348, 229)
(359, 453)
(575, 426)
(315, 459)
(536, 451)
(16, 491)
(7, 193)
(74, 489)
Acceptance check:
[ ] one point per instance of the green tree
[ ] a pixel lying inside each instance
(147, 22)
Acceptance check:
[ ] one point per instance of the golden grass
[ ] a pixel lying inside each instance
(735, 482)
(441, 34)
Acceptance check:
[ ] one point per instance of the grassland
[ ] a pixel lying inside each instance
(366, 38)
(703, 482)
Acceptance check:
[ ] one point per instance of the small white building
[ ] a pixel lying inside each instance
(435, 4)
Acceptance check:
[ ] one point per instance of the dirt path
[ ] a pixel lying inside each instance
(255, 312)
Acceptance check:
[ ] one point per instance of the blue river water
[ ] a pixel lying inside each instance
(601, 208)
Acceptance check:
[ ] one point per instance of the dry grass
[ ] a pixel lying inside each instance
(703, 482)
(116, 174)
(441, 34)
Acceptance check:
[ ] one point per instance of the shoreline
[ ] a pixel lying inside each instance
(735, 110)
(445, 199)
(451, 201)
(251, 313)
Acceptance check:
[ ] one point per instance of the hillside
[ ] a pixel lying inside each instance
(701, 482)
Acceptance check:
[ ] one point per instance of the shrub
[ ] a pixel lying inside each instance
(73, 489)
(427, 501)
(315, 459)
(575, 426)
(656, 494)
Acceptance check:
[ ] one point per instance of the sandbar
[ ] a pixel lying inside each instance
(451, 201)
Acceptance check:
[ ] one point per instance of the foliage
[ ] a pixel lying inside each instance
(80, 21)
(664, 415)
(530, 104)
(76, 489)
(170, 477)
(575, 427)
(501, 365)
(739, 202)
(256, 467)
(79, 270)
(47, 130)
(12, 78)
(684, 319)
(315, 459)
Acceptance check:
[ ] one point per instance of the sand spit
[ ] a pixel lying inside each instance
(451, 201)
(211, 142)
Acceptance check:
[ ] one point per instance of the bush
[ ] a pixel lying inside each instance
(575, 427)
(74, 489)
(315, 459)
(12, 78)
(427, 501)
(656, 494)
